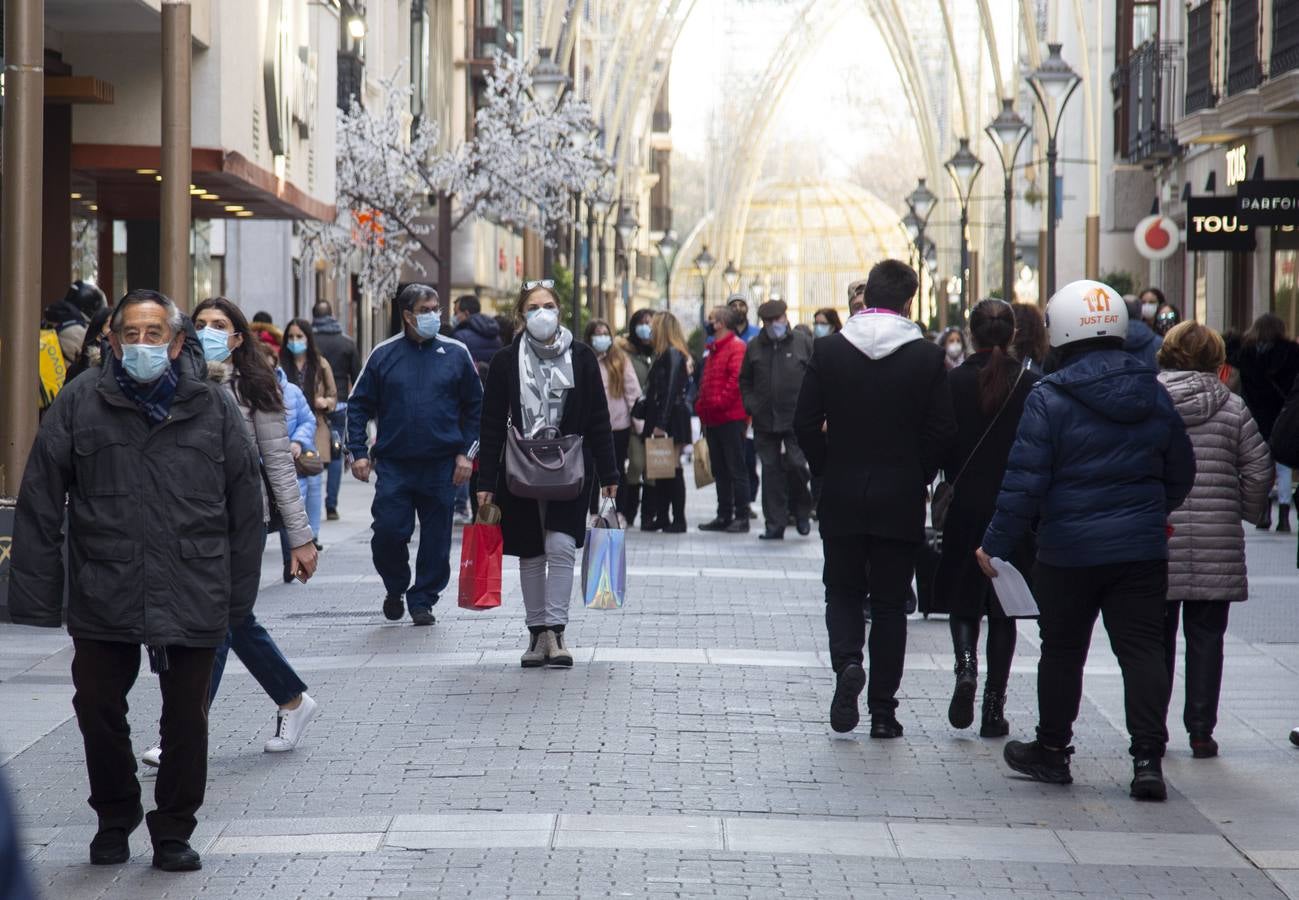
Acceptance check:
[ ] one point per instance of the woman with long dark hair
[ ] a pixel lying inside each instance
(1029, 345)
(988, 394)
(544, 383)
(235, 361)
(621, 390)
(667, 414)
(1268, 362)
(94, 344)
(636, 344)
(305, 366)
(826, 322)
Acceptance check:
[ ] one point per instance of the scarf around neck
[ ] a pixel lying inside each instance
(153, 400)
(545, 378)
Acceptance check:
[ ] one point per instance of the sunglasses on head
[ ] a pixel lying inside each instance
(547, 283)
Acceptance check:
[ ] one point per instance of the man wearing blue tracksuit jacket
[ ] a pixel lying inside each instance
(423, 393)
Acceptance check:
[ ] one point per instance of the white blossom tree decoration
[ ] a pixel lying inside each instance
(520, 170)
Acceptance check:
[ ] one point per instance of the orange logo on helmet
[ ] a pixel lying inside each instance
(1097, 300)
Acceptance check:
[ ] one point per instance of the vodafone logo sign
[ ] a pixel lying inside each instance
(1156, 237)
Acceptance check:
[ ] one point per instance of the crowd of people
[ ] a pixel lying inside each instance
(1106, 451)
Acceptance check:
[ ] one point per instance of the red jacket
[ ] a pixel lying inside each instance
(719, 394)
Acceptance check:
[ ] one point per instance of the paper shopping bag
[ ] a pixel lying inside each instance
(703, 464)
(480, 562)
(660, 458)
(604, 565)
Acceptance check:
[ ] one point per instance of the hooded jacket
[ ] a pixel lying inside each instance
(163, 524)
(874, 417)
(481, 335)
(1101, 458)
(1233, 474)
(771, 376)
(719, 399)
(339, 351)
(1143, 343)
(1267, 375)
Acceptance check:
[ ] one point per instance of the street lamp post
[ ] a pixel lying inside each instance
(600, 206)
(731, 276)
(1056, 81)
(1007, 133)
(964, 167)
(626, 227)
(921, 203)
(704, 262)
(668, 246)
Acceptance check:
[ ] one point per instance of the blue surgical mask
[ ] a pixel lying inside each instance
(602, 343)
(778, 330)
(298, 346)
(428, 324)
(216, 344)
(821, 329)
(644, 331)
(145, 363)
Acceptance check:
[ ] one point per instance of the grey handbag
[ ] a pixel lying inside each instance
(546, 467)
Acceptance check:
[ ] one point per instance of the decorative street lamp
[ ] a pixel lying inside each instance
(756, 290)
(668, 246)
(600, 204)
(548, 80)
(964, 167)
(1054, 80)
(921, 203)
(1007, 133)
(731, 276)
(626, 226)
(704, 263)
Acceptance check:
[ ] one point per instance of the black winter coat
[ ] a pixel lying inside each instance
(888, 424)
(586, 412)
(665, 397)
(960, 587)
(164, 523)
(771, 376)
(1266, 378)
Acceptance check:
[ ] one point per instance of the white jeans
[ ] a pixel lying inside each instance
(547, 581)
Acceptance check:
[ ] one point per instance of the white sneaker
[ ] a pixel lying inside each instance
(290, 725)
(152, 757)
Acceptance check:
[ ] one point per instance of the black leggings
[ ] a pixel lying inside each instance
(1001, 646)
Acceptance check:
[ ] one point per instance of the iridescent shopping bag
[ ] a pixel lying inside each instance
(604, 564)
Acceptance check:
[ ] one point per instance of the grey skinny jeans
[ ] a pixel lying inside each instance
(547, 581)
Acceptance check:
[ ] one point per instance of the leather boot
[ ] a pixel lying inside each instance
(994, 714)
(960, 712)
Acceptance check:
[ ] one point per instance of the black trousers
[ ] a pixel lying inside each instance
(1204, 623)
(103, 673)
(857, 568)
(785, 478)
(1130, 597)
(730, 474)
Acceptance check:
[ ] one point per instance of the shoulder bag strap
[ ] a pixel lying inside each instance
(965, 465)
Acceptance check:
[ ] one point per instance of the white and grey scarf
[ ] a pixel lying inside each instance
(545, 378)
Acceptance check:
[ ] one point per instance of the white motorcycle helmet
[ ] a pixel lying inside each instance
(1082, 310)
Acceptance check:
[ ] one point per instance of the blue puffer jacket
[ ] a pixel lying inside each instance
(1101, 458)
(298, 417)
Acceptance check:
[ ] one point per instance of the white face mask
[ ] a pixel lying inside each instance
(954, 350)
(1148, 310)
(543, 323)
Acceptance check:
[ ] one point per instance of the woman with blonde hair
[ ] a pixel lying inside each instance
(667, 415)
(1206, 552)
(621, 390)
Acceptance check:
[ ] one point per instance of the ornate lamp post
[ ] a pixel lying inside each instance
(1007, 133)
(921, 203)
(1054, 80)
(600, 205)
(626, 227)
(731, 276)
(548, 80)
(668, 246)
(704, 262)
(964, 167)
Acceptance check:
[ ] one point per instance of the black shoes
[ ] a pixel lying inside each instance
(331, 515)
(960, 712)
(1203, 746)
(804, 526)
(421, 617)
(843, 708)
(739, 526)
(1283, 518)
(393, 608)
(716, 525)
(112, 846)
(1038, 762)
(885, 727)
(176, 856)
(1148, 780)
(288, 571)
(994, 714)
(678, 527)
(772, 534)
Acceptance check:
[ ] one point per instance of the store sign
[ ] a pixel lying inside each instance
(1212, 224)
(1268, 202)
(289, 82)
(1156, 237)
(1237, 165)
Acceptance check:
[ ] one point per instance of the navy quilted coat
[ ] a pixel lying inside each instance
(1100, 460)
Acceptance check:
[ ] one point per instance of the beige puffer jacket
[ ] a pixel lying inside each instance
(1233, 475)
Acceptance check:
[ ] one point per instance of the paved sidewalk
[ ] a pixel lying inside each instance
(687, 754)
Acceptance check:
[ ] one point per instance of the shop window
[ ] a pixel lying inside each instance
(1285, 278)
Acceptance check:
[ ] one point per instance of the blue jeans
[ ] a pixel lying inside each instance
(402, 490)
(258, 652)
(334, 471)
(309, 488)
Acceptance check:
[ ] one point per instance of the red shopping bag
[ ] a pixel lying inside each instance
(480, 562)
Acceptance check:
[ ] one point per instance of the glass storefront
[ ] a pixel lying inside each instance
(1285, 277)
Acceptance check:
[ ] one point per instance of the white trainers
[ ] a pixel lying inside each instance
(290, 725)
(152, 757)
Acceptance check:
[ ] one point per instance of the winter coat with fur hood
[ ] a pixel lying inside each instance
(1233, 474)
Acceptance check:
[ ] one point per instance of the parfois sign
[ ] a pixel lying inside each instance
(1268, 202)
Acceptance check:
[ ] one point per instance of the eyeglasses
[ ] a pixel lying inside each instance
(547, 283)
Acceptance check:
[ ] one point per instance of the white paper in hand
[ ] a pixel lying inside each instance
(1012, 590)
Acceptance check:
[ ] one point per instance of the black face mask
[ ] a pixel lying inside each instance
(710, 329)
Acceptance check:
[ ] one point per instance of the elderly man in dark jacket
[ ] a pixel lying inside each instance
(160, 486)
(875, 419)
(770, 378)
(1100, 460)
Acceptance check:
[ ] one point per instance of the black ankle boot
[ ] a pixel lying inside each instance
(994, 714)
(960, 712)
(1148, 779)
(1283, 519)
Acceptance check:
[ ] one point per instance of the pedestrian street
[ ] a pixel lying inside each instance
(686, 754)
